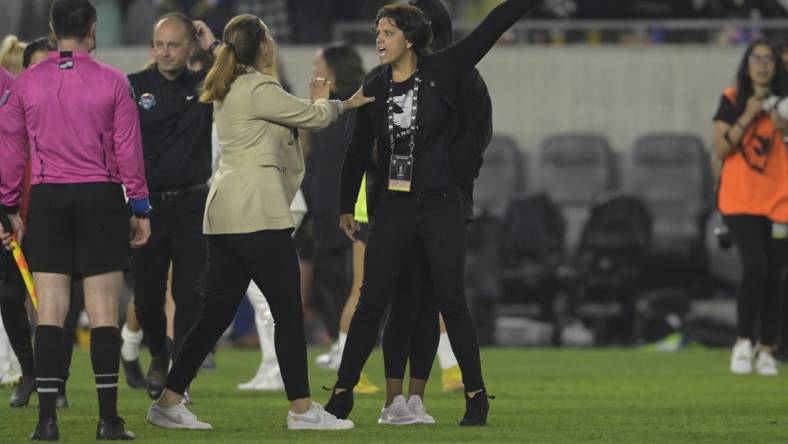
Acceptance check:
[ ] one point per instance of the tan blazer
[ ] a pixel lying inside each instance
(261, 164)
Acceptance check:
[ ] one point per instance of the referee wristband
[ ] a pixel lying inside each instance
(141, 207)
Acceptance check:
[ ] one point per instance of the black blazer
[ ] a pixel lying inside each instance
(448, 70)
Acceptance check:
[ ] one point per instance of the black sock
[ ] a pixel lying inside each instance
(105, 355)
(48, 356)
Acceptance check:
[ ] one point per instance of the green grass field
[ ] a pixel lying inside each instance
(542, 396)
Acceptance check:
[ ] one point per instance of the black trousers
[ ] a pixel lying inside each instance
(176, 235)
(433, 222)
(333, 279)
(412, 330)
(269, 258)
(763, 262)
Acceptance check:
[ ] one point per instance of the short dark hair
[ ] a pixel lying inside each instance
(72, 19)
(412, 22)
(39, 44)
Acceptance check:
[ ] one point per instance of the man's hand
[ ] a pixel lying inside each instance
(140, 232)
(349, 225)
(204, 34)
(17, 231)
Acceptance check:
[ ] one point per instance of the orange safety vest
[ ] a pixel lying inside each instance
(752, 183)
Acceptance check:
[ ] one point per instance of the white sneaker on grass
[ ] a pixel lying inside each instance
(331, 359)
(316, 418)
(416, 406)
(741, 358)
(267, 379)
(398, 413)
(766, 365)
(177, 417)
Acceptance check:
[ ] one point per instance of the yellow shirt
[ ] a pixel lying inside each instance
(361, 203)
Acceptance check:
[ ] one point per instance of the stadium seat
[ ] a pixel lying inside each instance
(501, 176)
(573, 170)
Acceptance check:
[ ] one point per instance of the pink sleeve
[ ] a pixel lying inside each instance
(128, 142)
(13, 146)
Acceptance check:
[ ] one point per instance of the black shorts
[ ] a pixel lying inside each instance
(77, 229)
(363, 233)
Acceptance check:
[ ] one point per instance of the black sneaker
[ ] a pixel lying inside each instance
(113, 430)
(157, 373)
(23, 391)
(340, 404)
(476, 410)
(46, 431)
(134, 377)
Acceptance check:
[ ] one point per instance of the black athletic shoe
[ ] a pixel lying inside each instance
(113, 430)
(62, 401)
(46, 431)
(476, 410)
(23, 391)
(341, 404)
(157, 373)
(134, 377)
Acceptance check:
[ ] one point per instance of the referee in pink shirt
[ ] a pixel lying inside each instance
(82, 127)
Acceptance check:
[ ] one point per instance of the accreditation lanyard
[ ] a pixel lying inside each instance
(401, 167)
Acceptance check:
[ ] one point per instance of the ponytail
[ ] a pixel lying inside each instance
(243, 36)
(222, 74)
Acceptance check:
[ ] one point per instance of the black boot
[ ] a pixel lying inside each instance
(113, 430)
(340, 404)
(46, 431)
(157, 373)
(476, 409)
(23, 391)
(134, 376)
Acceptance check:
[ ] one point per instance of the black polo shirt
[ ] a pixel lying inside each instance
(176, 129)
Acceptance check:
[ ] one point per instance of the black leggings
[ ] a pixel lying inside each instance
(269, 258)
(412, 329)
(434, 223)
(763, 262)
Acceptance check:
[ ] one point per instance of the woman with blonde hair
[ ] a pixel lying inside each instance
(11, 52)
(248, 219)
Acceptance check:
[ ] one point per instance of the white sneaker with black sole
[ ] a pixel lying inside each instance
(741, 357)
(177, 417)
(316, 418)
(398, 413)
(416, 406)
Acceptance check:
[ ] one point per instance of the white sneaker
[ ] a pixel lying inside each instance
(267, 379)
(178, 417)
(766, 365)
(741, 358)
(316, 418)
(416, 406)
(330, 360)
(398, 413)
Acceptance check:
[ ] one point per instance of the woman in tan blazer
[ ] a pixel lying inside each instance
(248, 220)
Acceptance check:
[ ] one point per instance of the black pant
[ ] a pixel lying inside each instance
(412, 329)
(435, 223)
(269, 258)
(176, 235)
(333, 279)
(763, 262)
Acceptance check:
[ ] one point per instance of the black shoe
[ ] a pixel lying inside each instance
(157, 373)
(476, 409)
(340, 404)
(46, 431)
(134, 377)
(113, 431)
(23, 391)
(62, 401)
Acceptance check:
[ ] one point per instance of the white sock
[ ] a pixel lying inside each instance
(342, 339)
(445, 353)
(130, 350)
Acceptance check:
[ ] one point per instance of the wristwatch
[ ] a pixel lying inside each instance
(213, 46)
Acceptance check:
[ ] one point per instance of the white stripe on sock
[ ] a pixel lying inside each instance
(106, 386)
(107, 375)
(46, 390)
(49, 379)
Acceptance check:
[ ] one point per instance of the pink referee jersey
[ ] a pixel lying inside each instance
(80, 122)
(6, 79)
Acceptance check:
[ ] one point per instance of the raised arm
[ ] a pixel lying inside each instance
(472, 48)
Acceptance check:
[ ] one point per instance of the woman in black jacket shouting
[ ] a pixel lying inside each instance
(425, 152)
